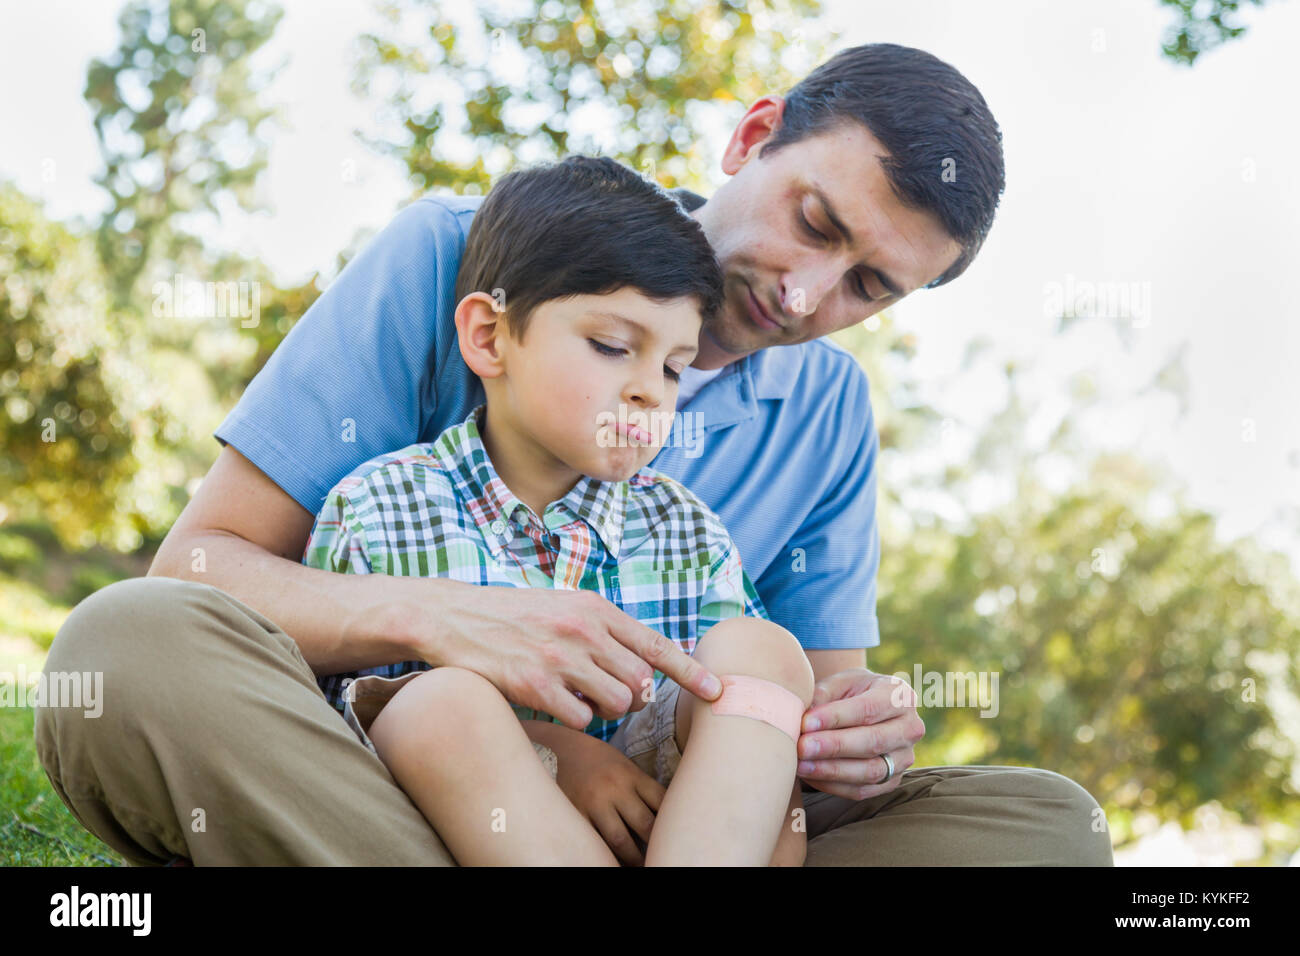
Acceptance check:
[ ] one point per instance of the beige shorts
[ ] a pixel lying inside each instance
(646, 737)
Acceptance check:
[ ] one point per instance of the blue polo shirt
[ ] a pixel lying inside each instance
(782, 445)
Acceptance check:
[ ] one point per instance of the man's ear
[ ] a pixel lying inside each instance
(478, 328)
(759, 122)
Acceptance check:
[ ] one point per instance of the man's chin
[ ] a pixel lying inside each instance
(729, 343)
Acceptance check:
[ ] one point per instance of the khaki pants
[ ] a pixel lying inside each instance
(215, 744)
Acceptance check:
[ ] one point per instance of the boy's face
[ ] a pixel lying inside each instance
(593, 383)
(810, 238)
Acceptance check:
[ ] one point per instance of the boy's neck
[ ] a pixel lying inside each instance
(532, 474)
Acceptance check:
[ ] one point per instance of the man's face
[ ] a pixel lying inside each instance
(810, 238)
(593, 385)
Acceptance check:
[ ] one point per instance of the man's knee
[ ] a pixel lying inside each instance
(128, 622)
(1082, 822)
(757, 648)
(148, 649)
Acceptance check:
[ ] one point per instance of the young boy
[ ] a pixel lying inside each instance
(580, 293)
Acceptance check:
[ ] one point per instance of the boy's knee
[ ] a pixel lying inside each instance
(447, 698)
(757, 648)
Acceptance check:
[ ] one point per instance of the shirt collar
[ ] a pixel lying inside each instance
(774, 370)
(601, 504)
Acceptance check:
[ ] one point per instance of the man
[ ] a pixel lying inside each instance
(876, 176)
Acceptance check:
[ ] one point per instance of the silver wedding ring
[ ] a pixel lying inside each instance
(889, 767)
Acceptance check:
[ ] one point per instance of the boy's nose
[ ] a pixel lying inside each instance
(645, 391)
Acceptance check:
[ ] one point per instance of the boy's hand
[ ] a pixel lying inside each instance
(607, 788)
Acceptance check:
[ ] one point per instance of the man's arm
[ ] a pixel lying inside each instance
(826, 663)
(243, 534)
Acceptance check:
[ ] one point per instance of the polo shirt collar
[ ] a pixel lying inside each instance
(774, 370)
(601, 504)
(733, 397)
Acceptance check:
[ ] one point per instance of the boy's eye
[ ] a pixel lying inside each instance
(604, 349)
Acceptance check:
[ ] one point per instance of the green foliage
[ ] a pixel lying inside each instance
(1137, 654)
(110, 394)
(177, 114)
(82, 426)
(1202, 25)
(550, 77)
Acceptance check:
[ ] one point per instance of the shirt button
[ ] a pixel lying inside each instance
(498, 526)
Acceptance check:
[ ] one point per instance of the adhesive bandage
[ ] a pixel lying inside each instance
(764, 700)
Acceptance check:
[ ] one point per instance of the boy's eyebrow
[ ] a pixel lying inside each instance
(641, 330)
(894, 288)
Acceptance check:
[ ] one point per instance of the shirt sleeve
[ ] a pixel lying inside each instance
(354, 376)
(730, 592)
(822, 587)
(338, 540)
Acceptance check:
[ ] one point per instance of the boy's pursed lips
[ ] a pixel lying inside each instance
(634, 433)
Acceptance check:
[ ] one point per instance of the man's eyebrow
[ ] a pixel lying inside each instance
(894, 288)
(641, 329)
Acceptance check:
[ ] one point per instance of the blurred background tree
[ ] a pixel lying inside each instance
(474, 90)
(1202, 25)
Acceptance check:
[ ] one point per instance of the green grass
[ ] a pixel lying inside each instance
(36, 829)
(40, 583)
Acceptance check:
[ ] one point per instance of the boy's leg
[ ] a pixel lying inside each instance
(457, 748)
(733, 783)
(213, 741)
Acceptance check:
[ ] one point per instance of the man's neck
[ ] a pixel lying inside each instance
(712, 356)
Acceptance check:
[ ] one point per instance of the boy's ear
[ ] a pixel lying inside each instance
(478, 326)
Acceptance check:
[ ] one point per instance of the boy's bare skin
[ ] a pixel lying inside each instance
(455, 746)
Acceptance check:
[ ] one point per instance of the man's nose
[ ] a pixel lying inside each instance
(802, 290)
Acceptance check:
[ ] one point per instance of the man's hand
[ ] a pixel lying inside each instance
(856, 716)
(542, 648)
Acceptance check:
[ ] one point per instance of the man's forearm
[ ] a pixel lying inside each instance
(341, 622)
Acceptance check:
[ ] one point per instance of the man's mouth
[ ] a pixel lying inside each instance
(758, 315)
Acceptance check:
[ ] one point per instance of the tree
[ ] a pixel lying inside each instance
(177, 110)
(472, 96)
(82, 444)
(1202, 25)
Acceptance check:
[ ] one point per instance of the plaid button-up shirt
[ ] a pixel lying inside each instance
(439, 509)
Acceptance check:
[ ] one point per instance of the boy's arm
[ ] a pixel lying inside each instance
(792, 846)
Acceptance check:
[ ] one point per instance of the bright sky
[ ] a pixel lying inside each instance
(1122, 168)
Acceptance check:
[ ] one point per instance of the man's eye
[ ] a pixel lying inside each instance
(808, 227)
(862, 288)
(675, 376)
(605, 349)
